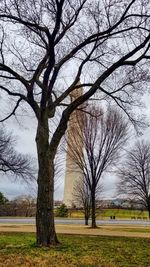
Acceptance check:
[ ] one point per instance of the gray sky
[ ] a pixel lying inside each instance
(25, 131)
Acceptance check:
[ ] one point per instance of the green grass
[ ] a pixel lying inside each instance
(131, 230)
(124, 214)
(18, 249)
(118, 213)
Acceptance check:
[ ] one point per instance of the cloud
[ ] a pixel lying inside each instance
(11, 189)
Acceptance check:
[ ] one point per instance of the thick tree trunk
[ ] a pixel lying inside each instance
(45, 228)
(93, 211)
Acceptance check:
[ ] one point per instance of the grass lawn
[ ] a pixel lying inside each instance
(128, 229)
(124, 213)
(118, 213)
(18, 249)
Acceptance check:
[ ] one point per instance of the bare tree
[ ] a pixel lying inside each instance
(105, 43)
(12, 162)
(82, 196)
(102, 136)
(135, 174)
(25, 205)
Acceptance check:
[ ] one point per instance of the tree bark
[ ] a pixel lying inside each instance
(86, 220)
(149, 212)
(93, 209)
(45, 227)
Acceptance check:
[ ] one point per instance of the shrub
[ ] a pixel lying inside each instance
(62, 211)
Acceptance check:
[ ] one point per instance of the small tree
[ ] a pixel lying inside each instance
(62, 211)
(3, 199)
(134, 176)
(25, 205)
(102, 136)
(82, 196)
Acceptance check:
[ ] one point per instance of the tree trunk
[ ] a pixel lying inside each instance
(149, 212)
(45, 227)
(86, 220)
(93, 210)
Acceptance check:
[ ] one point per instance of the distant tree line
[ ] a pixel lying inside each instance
(20, 206)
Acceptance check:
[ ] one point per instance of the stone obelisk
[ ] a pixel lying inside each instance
(74, 137)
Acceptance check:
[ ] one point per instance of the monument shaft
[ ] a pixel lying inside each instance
(73, 175)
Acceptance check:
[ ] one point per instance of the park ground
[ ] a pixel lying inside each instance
(118, 213)
(80, 246)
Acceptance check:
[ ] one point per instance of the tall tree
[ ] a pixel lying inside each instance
(104, 42)
(135, 174)
(102, 135)
(12, 162)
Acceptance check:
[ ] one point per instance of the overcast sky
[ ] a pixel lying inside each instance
(25, 131)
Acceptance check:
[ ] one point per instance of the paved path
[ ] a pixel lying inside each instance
(76, 221)
(80, 230)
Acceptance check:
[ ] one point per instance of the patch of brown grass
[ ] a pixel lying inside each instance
(55, 260)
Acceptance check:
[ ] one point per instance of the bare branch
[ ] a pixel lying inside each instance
(134, 176)
(5, 68)
(13, 112)
(20, 166)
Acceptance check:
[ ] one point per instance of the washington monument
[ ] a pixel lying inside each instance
(73, 173)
